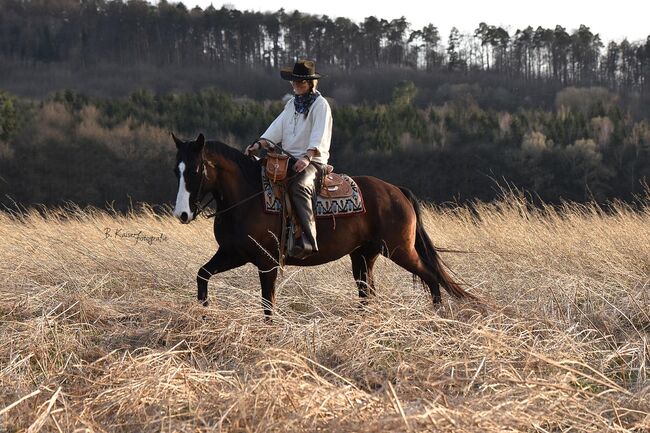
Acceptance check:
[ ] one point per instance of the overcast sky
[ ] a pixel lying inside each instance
(612, 19)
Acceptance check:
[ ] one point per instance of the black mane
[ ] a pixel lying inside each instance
(249, 167)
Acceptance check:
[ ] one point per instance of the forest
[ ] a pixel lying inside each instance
(89, 32)
(91, 89)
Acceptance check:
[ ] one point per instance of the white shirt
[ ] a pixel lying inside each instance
(299, 133)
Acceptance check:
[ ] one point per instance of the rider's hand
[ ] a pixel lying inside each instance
(301, 164)
(259, 144)
(252, 148)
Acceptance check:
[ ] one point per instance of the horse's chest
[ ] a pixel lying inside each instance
(235, 233)
(225, 233)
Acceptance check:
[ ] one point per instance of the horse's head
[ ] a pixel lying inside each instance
(189, 171)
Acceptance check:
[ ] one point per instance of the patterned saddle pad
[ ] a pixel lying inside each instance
(339, 196)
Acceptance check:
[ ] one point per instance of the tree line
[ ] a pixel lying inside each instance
(119, 150)
(88, 32)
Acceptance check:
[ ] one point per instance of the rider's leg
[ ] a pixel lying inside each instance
(302, 192)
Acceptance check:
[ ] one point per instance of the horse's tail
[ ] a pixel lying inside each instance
(428, 253)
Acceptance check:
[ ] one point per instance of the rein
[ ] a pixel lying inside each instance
(201, 207)
(217, 213)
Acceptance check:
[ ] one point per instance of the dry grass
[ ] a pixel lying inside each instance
(103, 334)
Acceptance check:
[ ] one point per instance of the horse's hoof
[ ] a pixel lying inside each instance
(363, 305)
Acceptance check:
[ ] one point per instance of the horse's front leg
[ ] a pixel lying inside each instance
(222, 261)
(267, 281)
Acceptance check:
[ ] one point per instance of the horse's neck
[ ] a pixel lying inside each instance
(233, 187)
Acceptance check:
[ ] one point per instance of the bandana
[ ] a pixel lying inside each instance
(303, 102)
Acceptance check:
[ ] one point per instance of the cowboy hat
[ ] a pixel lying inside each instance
(302, 70)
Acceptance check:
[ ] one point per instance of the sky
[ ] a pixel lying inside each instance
(612, 19)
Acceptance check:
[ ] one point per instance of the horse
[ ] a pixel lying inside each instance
(391, 225)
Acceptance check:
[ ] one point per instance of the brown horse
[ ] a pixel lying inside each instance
(391, 225)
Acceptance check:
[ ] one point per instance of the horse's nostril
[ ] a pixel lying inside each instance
(184, 217)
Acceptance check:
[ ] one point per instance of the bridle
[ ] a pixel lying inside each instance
(203, 172)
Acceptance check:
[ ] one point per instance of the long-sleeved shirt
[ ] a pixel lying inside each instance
(300, 133)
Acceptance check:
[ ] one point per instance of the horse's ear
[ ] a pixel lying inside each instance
(177, 141)
(199, 143)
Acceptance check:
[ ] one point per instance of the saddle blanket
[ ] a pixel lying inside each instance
(325, 206)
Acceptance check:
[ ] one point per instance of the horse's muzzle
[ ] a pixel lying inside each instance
(184, 217)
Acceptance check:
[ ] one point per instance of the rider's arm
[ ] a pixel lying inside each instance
(321, 130)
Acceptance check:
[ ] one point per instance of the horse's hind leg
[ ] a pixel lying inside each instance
(363, 260)
(267, 281)
(222, 261)
(410, 260)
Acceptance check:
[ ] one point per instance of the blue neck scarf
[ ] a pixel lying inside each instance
(303, 102)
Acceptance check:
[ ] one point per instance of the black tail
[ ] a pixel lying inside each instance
(428, 253)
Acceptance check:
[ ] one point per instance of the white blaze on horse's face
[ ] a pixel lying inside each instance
(182, 209)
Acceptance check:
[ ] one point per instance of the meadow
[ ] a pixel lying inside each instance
(101, 331)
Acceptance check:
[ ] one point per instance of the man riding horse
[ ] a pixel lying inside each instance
(305, 129)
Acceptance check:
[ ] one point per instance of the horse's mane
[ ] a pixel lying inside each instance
(249, 167)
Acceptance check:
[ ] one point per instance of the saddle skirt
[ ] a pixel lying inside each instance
(339, 196)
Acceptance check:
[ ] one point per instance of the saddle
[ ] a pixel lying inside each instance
(334, 185)
(338, 196)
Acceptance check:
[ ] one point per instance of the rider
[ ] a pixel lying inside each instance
(305, 129)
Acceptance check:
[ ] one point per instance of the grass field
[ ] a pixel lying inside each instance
(101, 332)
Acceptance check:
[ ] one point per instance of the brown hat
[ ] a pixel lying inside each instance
(302, 70)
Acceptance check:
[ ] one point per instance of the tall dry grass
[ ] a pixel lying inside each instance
(100, 330)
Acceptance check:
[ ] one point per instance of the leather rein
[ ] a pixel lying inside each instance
(202, 170)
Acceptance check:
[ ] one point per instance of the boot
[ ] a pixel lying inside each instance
(302, 190)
